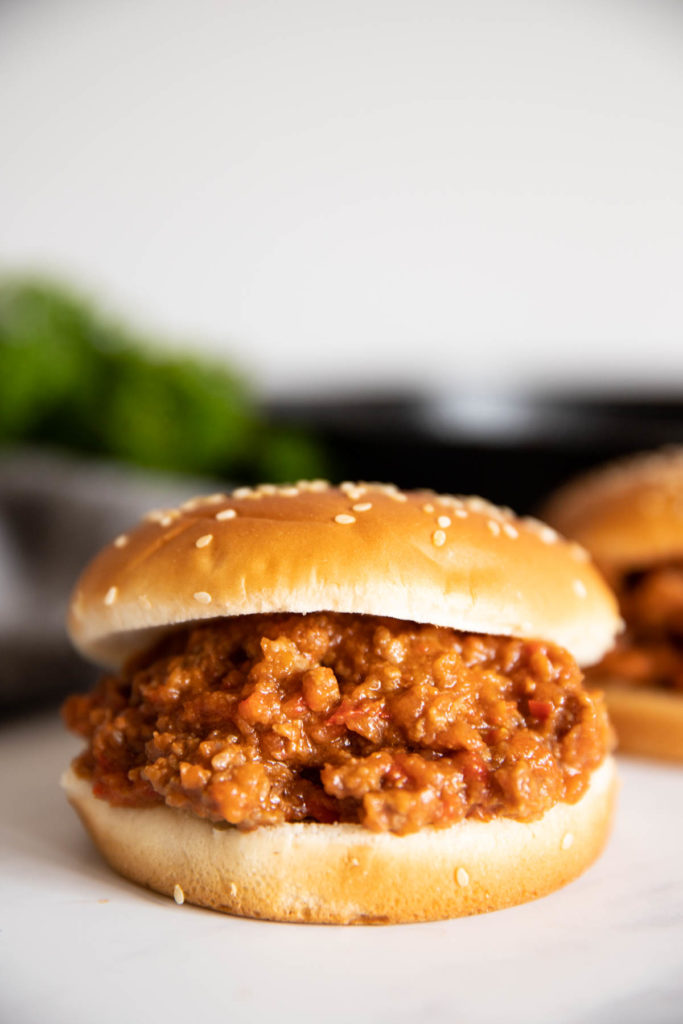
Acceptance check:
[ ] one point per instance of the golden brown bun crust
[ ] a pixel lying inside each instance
(648, 722)
(343, 874)
(628, 514)
(362, 549)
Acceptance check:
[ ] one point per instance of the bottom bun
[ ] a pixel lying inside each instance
(647, 722)
(344, 874)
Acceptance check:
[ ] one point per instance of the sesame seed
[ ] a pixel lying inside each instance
(178, 895)
(462, 878)
(567, 840)
(165, 520)
(201, 542)
(390, 491)
(494, 527)
(344, 519)
(548, 535)
(579, 553)
(267, 488)
(191, 504)
(111, 595)
(121, 541)
(580, 588)
(362, 506)
(444, 521)
(438, 538)
(353, 491)
(242, 492)
(480, 505)
(213, 498)
(428, 508)
(233, 889)
(226, 513)
(510, 530)
(318, 485)
(461, 513)
(203, 597)
(289, 492)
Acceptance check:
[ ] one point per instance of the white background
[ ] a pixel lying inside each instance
(369, 192)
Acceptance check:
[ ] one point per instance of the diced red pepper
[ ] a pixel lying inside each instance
(540, 709)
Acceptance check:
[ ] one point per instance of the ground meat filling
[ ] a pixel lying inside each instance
(650, 652)
(263, 719)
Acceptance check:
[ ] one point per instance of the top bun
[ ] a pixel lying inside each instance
(360, 548)
(629, 513)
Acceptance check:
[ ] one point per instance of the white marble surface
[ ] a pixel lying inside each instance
(78, 944)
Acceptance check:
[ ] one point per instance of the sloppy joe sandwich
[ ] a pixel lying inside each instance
(629, 514)
(344, 705)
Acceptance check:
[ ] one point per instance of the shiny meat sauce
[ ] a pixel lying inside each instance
(650, 652)
(326, 717)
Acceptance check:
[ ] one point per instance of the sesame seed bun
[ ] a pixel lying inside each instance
(360, 548)
(628, 513)
(344, 874)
